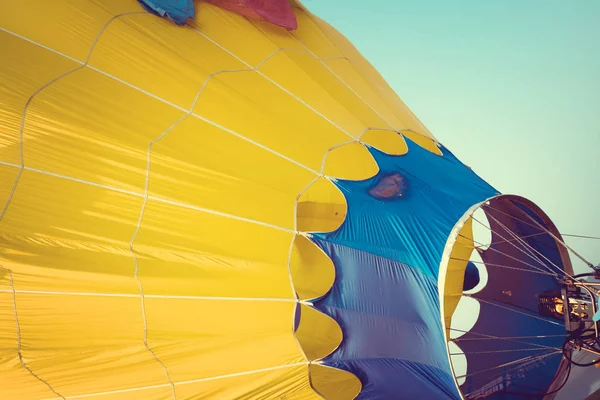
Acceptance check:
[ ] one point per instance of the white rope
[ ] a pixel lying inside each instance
(542, 267)
(515, 311)
(528, 247)
(522, 237)
(271, 80)
(322, 59)
(255, 143)
(188, 382)
(171, 104)
(504, 266)
(541, 227)
(188, 112)
(21, 167)
(158, 296)
(70, 178)
(581, 236)
(505, 338)
(297, 232)
(497, 351)
(154, 198)
(39, 90)
(547, 270)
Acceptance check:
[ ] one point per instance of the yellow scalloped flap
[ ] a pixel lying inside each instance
(321, 208)
(388, 141)
(455, 275)
(333, 383)
(313, 272)
(423, 141)
(318, 333)
(351, 161)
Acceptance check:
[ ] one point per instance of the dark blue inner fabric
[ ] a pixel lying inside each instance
(471, 277)
(392, 331)
(524, 364)
(511, 296)
(387, 255)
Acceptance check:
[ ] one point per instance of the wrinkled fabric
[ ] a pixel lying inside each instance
(176, 10)
(278, 12)
(387, 255)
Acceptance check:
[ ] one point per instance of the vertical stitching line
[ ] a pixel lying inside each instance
(18, 178)
(145, 201)
(296, 233)
(182, 108)
(18, 326)
(38, 91)
(273, 82)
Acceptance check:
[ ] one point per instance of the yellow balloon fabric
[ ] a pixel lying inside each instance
(157, 187)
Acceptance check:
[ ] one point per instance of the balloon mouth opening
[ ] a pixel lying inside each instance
(500, 257)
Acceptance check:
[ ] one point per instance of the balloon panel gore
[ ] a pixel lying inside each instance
(46, 22)
(471, 276)
(25, 67)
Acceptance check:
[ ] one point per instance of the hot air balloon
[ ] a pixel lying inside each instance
(224, 200)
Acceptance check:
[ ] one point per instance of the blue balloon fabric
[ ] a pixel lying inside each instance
(387, 255)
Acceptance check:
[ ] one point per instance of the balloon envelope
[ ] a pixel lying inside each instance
(225, 207)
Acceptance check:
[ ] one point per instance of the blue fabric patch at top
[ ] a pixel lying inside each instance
(176, 10)
(407, 211)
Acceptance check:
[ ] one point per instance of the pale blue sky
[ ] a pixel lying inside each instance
(512, 87)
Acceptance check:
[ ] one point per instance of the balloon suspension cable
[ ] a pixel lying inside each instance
(575, 304)
(537, 225)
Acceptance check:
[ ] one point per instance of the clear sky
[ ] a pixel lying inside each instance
(512, 87)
